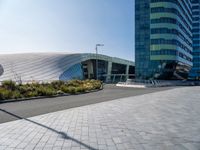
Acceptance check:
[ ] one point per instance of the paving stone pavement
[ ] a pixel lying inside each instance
(167, 120)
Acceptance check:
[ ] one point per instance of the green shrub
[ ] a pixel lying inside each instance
(9, 84)
(50, 92)
(8, 94)
(24, 89)
(80, 89)
(69, 89)
(31, 94)
(65, 89)
(74, 83)
(87, 85)
(60, 92)
(5, 94)
(57, 84)
(16, 95)
(72, 90)
(9, 90)
(46, 91)
(34, 85)
(96, 83)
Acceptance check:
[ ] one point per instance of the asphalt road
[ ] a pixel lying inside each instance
(30, 108)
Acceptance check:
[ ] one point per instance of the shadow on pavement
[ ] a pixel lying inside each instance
(62, 134)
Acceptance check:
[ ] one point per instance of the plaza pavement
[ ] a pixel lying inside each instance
(166, 120)
(30, 108)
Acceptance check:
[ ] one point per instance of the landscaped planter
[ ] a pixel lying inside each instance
(10, 91)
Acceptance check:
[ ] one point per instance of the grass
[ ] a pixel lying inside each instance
(11, 90)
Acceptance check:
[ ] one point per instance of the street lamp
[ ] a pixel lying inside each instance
(97, 45)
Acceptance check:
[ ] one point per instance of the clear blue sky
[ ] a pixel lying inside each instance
(67, 26)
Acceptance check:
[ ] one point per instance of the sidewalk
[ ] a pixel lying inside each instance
(163, 120)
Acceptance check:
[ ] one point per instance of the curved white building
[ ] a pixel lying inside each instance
(61, 66)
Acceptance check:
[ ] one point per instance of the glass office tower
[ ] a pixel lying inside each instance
(163, 39)
(195, 72)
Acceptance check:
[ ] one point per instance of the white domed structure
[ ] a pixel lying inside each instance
(59, 66)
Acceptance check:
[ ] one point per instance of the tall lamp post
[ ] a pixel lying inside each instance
(96, 48)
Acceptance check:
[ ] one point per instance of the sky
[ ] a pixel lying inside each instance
(67, 26)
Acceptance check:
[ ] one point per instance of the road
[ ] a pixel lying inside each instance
(36, 107)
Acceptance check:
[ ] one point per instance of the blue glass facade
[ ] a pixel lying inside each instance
(163, 47)
(74, 72)
(142, 36)
(195, 72)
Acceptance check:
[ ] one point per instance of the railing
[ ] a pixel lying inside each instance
(160, 83)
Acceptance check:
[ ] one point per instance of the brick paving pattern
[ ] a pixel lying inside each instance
(167, 120)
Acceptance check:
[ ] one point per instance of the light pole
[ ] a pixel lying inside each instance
(96, 48)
